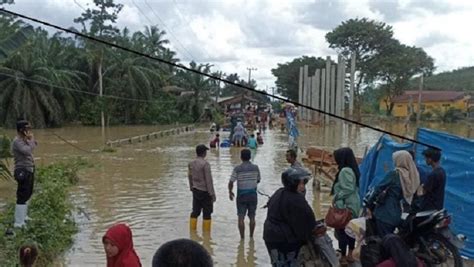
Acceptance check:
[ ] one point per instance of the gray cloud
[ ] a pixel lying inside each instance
(323, 14)
(432, 39)
(394, 12)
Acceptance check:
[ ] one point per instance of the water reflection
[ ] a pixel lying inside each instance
(246, 258)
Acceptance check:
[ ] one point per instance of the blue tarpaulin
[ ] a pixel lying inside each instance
(458, 162)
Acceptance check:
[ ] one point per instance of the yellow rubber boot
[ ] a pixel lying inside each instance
(206, 225)
(193, 224)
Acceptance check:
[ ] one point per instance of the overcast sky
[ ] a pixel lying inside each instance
(234, 35)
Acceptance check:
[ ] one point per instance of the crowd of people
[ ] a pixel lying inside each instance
(290, 221)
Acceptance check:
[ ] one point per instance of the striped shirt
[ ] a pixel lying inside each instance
(247, 176)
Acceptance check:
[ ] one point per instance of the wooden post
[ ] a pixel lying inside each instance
(316, 93)
(332, 96)
(420, 92)
(351, 92)
(300, 93)
(328, 87)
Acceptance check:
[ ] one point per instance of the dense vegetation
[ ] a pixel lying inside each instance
(52, 225)
(55, 79)
(457, 80)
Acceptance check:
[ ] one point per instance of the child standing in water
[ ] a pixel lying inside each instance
(252, 142)
(28, 255)
(118, 246)
(215, 142)
(259, 139)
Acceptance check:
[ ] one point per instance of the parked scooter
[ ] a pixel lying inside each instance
(428, 234)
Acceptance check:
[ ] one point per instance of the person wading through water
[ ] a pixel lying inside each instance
(201, 184)
(247, 176)
(22, 148)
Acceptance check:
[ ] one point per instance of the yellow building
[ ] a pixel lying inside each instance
(430, 102)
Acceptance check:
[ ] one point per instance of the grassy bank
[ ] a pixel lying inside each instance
(52, 225)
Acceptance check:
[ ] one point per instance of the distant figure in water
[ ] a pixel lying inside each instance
(213, 127)
(118, 246)
(28, 255)
(252, 142)
(239, 133)
(182, 253)
(215, 142)
(259, 138)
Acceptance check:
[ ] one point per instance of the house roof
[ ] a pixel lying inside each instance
(236, 99)
(429, 96)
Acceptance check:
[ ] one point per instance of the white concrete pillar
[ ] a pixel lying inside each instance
(351, 92)
(332, 95)
(300, 93)
(323, 93)
(328, 87)
(316, 93)
(305, 91)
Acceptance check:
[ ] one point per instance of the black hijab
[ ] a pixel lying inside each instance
(345, 158)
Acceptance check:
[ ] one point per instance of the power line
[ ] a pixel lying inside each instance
(80, 91)
(151, 22)
(169, 30)
(187, 23)
(264, 93)
(79, 5)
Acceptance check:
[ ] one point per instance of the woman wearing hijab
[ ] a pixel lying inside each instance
(118, 246)
(345, 191)
(400, 184)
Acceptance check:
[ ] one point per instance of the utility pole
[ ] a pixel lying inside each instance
(250, 73)
(218, 87)
(420, 91)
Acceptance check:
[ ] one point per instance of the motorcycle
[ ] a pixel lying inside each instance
(427, 233)
(318, 251)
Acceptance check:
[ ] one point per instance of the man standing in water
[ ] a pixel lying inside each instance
(201, 184)
(291, 158)
(247, 176)
(22, 148)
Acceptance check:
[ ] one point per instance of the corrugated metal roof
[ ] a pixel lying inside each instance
(429, 96)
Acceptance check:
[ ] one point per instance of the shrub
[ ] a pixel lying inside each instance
(52, 226)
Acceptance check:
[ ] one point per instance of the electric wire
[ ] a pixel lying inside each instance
(82, 92)
(189, 56)
(264, 93)
(169, 30)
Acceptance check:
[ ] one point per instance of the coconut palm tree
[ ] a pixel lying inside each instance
(30, 85)
(199, 87)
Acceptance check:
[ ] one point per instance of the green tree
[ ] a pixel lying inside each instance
(30, 89)
(199, 86)
(287, 74)
(395, 65)
(363, 37)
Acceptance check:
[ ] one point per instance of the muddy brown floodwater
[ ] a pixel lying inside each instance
(145, 185)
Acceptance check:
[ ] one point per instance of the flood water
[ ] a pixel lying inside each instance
(146, 186)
